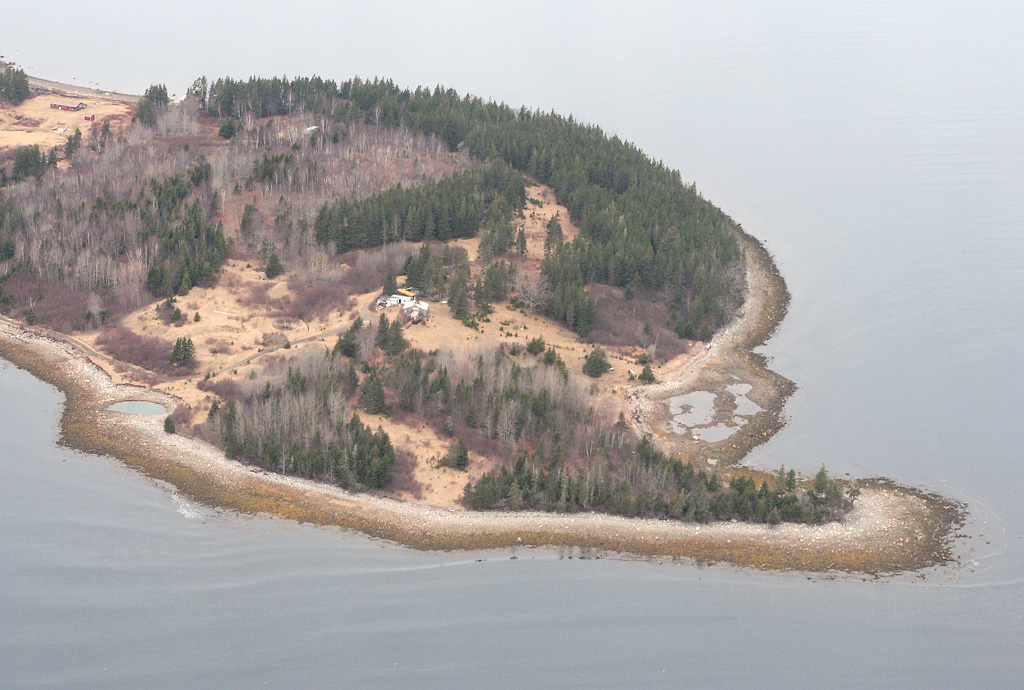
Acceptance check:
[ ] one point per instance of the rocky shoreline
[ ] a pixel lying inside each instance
(891, 529)
(727, 360)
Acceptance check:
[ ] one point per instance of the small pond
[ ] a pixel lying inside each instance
(138, 407)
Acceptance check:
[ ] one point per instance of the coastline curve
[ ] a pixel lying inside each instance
(891, 529)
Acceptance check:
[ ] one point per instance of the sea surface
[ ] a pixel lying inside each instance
(876, 147)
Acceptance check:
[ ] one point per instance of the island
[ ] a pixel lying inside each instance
(420, 315)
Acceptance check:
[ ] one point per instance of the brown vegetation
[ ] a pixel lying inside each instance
(641, 321)
(146, 351)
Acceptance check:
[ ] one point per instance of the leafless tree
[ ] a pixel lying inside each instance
(532, 290)
(507, 419)
(366, 343)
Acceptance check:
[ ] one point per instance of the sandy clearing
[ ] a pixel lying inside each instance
(34, 122)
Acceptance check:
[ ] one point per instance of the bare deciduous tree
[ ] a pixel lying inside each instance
(533, 291)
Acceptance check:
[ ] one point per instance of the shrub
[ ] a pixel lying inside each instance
(317, 301)
(227, 389)
(169, 426)
(647, 375)
(360, 281)
(148, 352)
(535, 346)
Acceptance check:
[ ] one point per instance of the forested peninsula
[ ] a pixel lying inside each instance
(413, 294)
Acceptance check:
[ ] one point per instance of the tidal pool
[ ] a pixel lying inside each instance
(696, 413)
(691, 410)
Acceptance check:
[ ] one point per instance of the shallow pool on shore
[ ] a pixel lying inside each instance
(695, 413)
(138, 407)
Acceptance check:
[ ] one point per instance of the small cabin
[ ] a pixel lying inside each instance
(415, 311)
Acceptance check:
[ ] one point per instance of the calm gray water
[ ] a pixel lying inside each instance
(878, 150)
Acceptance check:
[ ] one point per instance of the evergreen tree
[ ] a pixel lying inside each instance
(458, 295)
(371, 396)
(396, 341)
(553, 238)
(73, 143)
(29, 161)
(390, 282)
(521, 242)
(347, 344)
(596, 363)
(647, 375)
(351, 379)
(186, 284)
(13, 85)
(183, 351)
(458, 455)
(274, 267)
(228, 128)
(383, 331)
(153, 102)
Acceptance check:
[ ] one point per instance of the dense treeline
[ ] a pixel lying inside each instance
(11, 222)
(642, 228)
(29, 162)
(152, 103)
(651, 484)
(448, 209)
